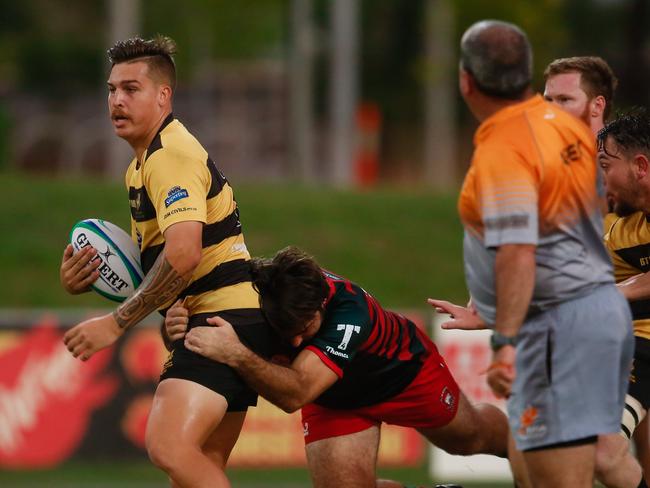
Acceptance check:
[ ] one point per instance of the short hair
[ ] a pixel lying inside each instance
(630, 131)
(596, 77)
(499, 57)
(292, 289)
(158, 53)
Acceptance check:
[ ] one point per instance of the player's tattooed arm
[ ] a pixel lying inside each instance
(160, 285)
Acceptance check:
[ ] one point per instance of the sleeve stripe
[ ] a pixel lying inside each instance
(326, 360)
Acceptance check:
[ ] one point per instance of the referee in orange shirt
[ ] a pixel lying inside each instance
(535, 264)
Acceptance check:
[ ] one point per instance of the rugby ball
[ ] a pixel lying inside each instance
(120, 272)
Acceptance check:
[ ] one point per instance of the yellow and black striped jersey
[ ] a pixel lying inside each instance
(628, 241)
(176, 181)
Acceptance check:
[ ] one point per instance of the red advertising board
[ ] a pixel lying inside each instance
(54, 408)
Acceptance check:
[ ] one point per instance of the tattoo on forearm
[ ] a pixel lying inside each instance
(161, 284)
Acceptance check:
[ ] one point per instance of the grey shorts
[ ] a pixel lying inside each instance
(573, 363)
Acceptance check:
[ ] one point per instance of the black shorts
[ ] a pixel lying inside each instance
(252, 330)
(639, 385)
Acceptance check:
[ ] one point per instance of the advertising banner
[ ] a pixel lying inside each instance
(54, 408)
(468, 356)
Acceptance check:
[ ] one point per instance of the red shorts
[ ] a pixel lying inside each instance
(431, 400)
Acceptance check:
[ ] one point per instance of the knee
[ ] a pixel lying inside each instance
(159, 456)
(471, 442)
(217, 457)
(164, 455)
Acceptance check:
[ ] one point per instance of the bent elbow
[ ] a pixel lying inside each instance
(291, 406)
(290, 409)
(184, 261)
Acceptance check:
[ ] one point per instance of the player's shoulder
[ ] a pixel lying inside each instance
(174, 153)
(626, 231)
(175, 142)
(549, 116)
(347, 304)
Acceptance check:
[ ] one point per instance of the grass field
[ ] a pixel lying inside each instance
(143, 475)
(401, 245)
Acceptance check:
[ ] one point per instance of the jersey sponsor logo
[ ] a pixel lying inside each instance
(169, 362)
(333, 351)
(349, 329)
(175, 194)
(447, 398)
(507, 222)
(530, 425)
(240, 247)
(178, 210)
(571, 153)
(136, 201)
(305, 429)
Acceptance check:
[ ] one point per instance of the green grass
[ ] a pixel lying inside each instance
(143, 475)
(401, 245)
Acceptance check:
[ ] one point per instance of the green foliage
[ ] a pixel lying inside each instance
(5, 128)
(220, 29)
(403, 246)
(59, 66)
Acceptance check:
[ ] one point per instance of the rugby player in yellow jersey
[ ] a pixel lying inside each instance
(584, 86)
(624, 152)
(186, 222)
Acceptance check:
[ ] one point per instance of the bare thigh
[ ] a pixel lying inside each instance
(221, 441)
(183, 417)
(347, 461)
(475, 429)
(184, 411)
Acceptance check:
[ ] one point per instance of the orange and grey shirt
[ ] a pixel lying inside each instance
(176, 181)
(628, 241)
(532, 180)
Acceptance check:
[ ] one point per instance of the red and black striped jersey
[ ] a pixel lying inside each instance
(376, 353)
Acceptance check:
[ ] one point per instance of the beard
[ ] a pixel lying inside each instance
(623, 209)
(626, 200)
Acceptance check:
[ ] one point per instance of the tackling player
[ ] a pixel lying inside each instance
(356, 365)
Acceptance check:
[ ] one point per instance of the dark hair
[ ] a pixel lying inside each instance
(292, 289)
(596, 77)
(499, 57)
(158, 53)
(630, 131)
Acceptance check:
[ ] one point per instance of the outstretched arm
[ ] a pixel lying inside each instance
(166, 279)
(462, 318)
(290, 388)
